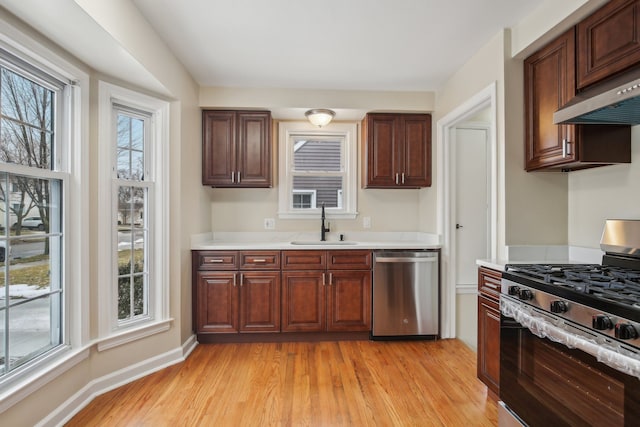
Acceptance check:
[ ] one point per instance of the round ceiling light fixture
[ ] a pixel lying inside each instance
(320, 116)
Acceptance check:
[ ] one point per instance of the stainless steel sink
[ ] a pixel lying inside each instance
(321, 243)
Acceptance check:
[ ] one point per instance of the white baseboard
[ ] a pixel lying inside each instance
(99, 386)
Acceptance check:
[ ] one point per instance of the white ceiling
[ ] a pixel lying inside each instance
(382, 45)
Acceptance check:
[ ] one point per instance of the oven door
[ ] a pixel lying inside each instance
(545, 383)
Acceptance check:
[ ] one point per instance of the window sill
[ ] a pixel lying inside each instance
(316, 215)
(133, 334)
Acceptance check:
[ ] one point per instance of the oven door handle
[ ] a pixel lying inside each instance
(540, 324)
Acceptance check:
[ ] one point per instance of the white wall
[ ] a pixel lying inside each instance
(609, 192)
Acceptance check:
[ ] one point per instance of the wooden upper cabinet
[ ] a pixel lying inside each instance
(549, 79)
(236, 148)
(549, 84)
(608, 41)
(396, 150)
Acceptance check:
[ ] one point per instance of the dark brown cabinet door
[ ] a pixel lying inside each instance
(417, 151)
(254, 150)
(349, 301)
(397, 150)
(260, 301)
(549, 84)
(303, 301)
(236, 148)
(382, 150)
(488, 364)
(218, 147)
(489, 343)
(608, 41)
(217, 302)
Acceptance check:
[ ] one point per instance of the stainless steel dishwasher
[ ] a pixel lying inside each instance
(406, 294)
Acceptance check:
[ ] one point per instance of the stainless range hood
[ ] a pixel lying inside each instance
(613, 102)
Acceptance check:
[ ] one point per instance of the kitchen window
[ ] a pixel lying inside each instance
(36, 141)
(134, 215)
(317, 167)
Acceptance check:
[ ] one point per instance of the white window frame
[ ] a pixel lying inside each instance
(288, 132)
(73, 130)
(112, 332)
(311, 193)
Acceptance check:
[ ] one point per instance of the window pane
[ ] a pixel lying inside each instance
(130, 143)
(322, 155)
(26, 121)
(132, 256)
(327, 189)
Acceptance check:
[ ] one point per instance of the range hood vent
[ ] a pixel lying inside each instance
(613, 102)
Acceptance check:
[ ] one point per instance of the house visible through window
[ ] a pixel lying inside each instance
(32, 292)
(317, 169)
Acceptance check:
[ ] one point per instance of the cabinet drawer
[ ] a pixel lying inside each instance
(489, 282)
(217, 260)
(349, 260)
(304, 260)
(260, 260)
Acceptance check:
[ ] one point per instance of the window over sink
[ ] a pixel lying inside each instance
(317, 167)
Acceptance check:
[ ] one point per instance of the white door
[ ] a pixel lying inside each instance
(471, 210)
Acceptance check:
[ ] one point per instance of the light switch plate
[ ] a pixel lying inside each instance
(366, 222)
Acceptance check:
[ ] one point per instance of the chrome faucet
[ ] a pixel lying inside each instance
(323, 230)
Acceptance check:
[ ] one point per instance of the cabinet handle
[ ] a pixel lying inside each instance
(234, 279)
(238, 177)
(323, 283)
(565, 148)
(403, 177)
(241, 279)
(214, 260)
(396, 179)
(233, 177)
(489, 285)
(258, 260)
(330, 279)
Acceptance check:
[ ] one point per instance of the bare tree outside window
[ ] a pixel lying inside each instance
(27, 130)
(31, 268)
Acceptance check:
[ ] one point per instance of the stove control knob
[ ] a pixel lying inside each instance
(559, 307)
(626, 331)
(601, 322)
(525, 294)
(513, 290)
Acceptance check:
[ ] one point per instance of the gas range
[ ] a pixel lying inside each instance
(601, 298)
(570, 337)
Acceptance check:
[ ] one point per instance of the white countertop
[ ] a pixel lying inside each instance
(306, 241)
(544, 254)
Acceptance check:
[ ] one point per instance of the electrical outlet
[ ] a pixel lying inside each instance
(269, 224)
(366, 222)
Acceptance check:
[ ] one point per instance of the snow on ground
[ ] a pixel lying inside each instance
(24, 291)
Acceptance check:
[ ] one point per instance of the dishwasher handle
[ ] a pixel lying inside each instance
(407, 259)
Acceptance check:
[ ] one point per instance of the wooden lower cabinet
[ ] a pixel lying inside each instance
(489, 328)
(489, 343)
(260, 301)
(314, 291)
(231, 302)
(326, 301)
(217, 302)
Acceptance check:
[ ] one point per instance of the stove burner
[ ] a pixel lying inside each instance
(618, 284)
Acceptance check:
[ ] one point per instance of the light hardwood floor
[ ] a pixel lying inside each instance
(346, 383)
